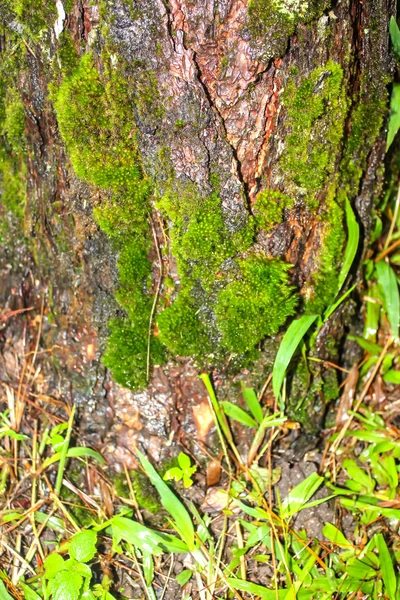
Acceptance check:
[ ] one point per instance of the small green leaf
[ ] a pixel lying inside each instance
(292, 338)
(238, 414)
(65, 586)
(148, 567)
(395, 36)
(12, 434)
(53, 564)
(250, 397)
(388, 284)
(184, 461)
(183, 577)
(333, 534)
(82, 546)
(394, 121)
(79, 568)
(392, 376)
(173, 473)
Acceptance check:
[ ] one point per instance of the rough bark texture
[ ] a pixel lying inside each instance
(269, 117)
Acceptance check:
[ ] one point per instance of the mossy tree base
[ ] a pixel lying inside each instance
(219, 158)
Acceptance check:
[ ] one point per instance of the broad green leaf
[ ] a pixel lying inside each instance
(395, 36)
(79, 568)
(257, 590)
(53, 564)
(183, 577)
(65, 586)
(353, 235)
(292, 338)
(300, 495)
(394, 121)
(181, 518)
(333, 534)
(387, 569)
(4, 595)
(79, 452)
(82, 546)
(250, 397)
(392, 376)
(388, 283)
(238, 414)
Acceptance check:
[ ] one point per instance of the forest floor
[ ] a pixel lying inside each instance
(271, 514)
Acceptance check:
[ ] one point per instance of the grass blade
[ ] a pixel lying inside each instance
(292, 338)
(300, 495)
(63, 453)
(333, 534)
(250, 397)
(257, 590)
(353, 236)
(182, 521)
(238, 414)
(388, 284)
(387, 569)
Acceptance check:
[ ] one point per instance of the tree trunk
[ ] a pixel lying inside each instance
(175, 179)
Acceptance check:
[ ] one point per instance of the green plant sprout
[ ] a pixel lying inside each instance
(182, 473)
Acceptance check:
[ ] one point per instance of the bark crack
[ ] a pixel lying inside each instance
(236, 158)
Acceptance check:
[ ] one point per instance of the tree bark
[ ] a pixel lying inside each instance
(253, 124)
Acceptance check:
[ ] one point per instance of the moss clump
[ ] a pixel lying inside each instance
(282, 15)
(96, 126)
(12, 134)
(182, 328)
(146, 494)
(323, 287)
(95, 119)
(316, 112)
(269, 208)
(256, 304)
(67, 56)
(35, 15)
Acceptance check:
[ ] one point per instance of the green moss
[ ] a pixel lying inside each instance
(146, 494)
(256, 304)
(321, 290)
(67, 56)
(316, 111)
(35, 15)
(269, 208)
(181, 327)
(95, 119)
(282, 16)
(95, 122)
